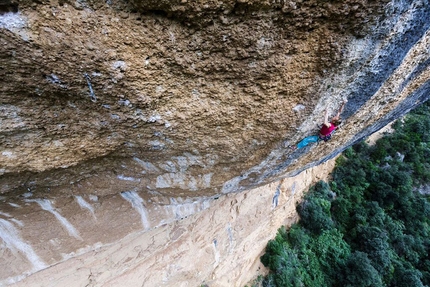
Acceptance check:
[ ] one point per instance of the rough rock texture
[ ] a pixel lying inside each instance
(189, 104)
(118, 241)
(168, 103)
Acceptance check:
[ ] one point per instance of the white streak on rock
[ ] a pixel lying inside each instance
(169, 166)
(12, 280)
(299, 108)
(27, 194)
(121, 65)
(206, 204)
(45, 204)
(15, 23)
(293, 188)
(192, 183)
(275, 199)
(10, 236)
(11, 20)
(216, 253)
(154, 118)
(83, 204)
(147, 166)
(162, 182)
(230, 237)
(194, 159)
(5, 214)
(128, 178)
(17, 222)
(206, 180)
(138, 204)
(157, 145)
(182, 162)
(8, 154)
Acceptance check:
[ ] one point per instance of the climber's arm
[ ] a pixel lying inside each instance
(326, 122)
(341, 109)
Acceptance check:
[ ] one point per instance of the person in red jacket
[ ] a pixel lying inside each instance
(329, 127)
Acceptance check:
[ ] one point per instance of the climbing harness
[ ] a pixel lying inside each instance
(327, 137)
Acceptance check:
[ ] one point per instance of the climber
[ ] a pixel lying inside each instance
(327, 129)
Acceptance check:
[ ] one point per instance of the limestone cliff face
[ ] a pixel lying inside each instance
(195, 98)
(172, 103)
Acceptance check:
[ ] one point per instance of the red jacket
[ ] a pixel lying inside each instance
(325, 131)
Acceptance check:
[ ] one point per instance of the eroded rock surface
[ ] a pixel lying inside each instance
(172, 103)
(127, 240)
(187, 94)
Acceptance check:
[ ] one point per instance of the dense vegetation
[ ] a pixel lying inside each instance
(370, 225)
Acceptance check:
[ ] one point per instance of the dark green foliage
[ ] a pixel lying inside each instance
(369, 226)
(293, 266)
(374, 242)
(314, 211)
(406, 275)
(315, 214)
(359, 272)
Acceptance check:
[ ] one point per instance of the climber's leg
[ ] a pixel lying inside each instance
(304, 142)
